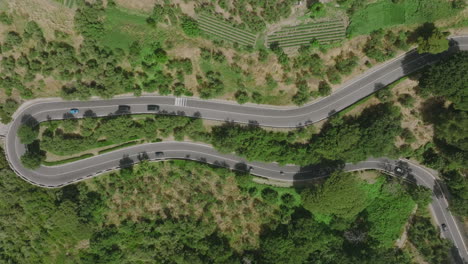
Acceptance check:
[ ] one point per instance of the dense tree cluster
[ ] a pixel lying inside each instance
(382, 46)
(7, 109)
(449, 153)
(61, 219)
(432, 40)
(354, 139)
(434, 80)
(115, 130)
(424, 237)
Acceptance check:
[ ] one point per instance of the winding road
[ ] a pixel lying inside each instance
(376, 78)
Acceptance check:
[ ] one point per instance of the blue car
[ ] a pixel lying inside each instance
(74, 111)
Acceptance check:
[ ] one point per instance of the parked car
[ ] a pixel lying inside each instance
(124, 108)
(74, 111)
(153, 107)
(444, 227)
(159, 154)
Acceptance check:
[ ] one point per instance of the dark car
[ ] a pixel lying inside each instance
(159, 154)
(124, 108)
(153, 107)
(444, 227)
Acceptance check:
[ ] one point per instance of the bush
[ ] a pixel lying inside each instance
(324, 89)
(406, 100)
(333, 75)
(31, 160)
(190, 27)
(27, 134)
(7, 109)
(5, 18)
(270, 195)
(242, 97)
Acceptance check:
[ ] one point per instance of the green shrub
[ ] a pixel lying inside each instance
(190, 27)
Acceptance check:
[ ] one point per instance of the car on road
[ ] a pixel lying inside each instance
(124, 108)
(74, 111)
(398, 170)
(444, 227)
(282, 172)
(159, 154)
(153, 107)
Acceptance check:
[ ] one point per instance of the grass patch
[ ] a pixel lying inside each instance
(384, 13)
(60, 162)
(123, 28)
(128, 144)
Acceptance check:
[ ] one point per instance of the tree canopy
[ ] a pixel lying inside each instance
(448, 78)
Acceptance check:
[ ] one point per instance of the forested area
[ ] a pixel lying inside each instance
(449, 151)
(187, 212)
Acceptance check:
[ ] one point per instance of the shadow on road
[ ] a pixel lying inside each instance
(314, 172)
(29, 120)
(89, 113)
(126, 162)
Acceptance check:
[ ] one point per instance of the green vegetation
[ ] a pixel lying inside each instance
(388, 213)
(218, 28)
(432, 40)
(7, 109)
(382, 46)
(189, 213)
(426, 239)
(384, 14)
(323, 32)
(254, 14)
(448, 153)
(27, 134)
(115, 130)
(190, 27)
(433, 80)
(355, 196)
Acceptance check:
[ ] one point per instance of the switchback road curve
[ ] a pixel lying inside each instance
(369, 82)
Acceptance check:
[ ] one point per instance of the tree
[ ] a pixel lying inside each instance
(343, 196)
(242, 97)
(324, 89)
(7, 110)
(433, 42)
(317, 10)
(190, 27)
(434, 80)
(5, 18)
(89, 20)
(31, 159)
(427, 240)
(27, 134)
(301, 241)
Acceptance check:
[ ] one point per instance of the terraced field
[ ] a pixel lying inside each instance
(324, 32)
(220, 29)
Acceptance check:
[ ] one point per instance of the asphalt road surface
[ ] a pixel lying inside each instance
(368, 83)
